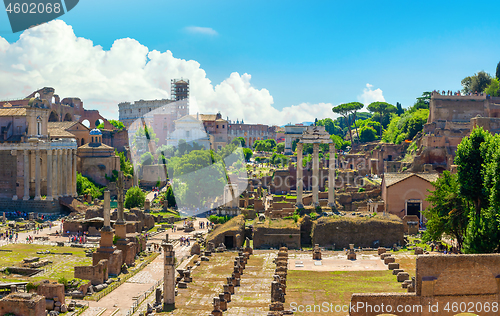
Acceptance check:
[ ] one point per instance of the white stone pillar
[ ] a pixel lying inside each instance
(49, 175)
(37, 175)
(65, 172)
(26, 175)
(60, 172)
(315, 177)
(69, 177)
(75, 194)
(55, 175)
(331, 177)
(300, 180)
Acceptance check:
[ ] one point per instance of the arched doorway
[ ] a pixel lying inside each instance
(53, 117)
(68, 118)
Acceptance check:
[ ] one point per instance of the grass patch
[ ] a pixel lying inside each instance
(276, 223)
(62, 266)
(336, 287)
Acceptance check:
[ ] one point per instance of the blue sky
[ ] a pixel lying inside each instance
(308, 52)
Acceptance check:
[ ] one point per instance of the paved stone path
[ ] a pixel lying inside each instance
(124, 296)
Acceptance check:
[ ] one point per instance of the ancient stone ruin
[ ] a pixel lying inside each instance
(316, 252)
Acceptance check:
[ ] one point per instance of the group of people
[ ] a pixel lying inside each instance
(79, 238)
(185, 241)
(10, 235)
(458, 93)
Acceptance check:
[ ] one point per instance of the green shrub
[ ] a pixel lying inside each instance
(361, 190)
(134, 198)
(64, 281)
(31, 286)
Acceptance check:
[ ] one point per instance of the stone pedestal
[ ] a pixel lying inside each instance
(351, 254)
(316, 252)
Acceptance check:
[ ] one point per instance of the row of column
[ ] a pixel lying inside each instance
(315, 176)
(61, 173)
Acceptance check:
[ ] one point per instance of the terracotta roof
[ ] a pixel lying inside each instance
(102, 146)
(58, 129)
(207, 117)
(12, 111)
(393, 178)
(220, 120)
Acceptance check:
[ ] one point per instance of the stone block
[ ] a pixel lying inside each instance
(388, 260)
(396, 271)
(403, 276)
(393, 265)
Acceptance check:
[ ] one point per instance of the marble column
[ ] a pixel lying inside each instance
(75, 194)
(49, 175)
(37, 175)
(26, 175)
(65, 172)
(331, 177)
(315, 177)
(300, 180)
(55, 174)
(60, 172)
(69, 172)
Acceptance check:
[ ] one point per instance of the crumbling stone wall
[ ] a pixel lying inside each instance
(464, 279)
(276, 237)
(362, 232)
(235, 227)
(25, 304)
(97, 274)
(50, 290)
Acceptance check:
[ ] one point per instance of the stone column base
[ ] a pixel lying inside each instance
(38, 198)
(168, 307)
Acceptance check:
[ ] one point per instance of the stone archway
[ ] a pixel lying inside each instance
(53, 117)
(68, 118)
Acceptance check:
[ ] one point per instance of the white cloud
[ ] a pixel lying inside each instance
(51, 55)
(201, 30)
(369, 95)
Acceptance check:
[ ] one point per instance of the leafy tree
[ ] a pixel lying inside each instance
(134, 198)
(339, 142)
(247, 152)
(144, 138)
(125, 165)
(241, 141)
(383, 109)
(470, 157)
(497, 73)
(166, 150)
(368, 134)
(85, 186)
(280, 147)
(448, 213)
(344, 110)
(476, 83)
(493, 88)
(330, 126)
(423, 102)
(399, 109)
(147, 159)
(169, 195)
(117, 124)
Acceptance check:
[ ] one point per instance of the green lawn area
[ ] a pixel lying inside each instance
(336, 287)
(62, 266)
